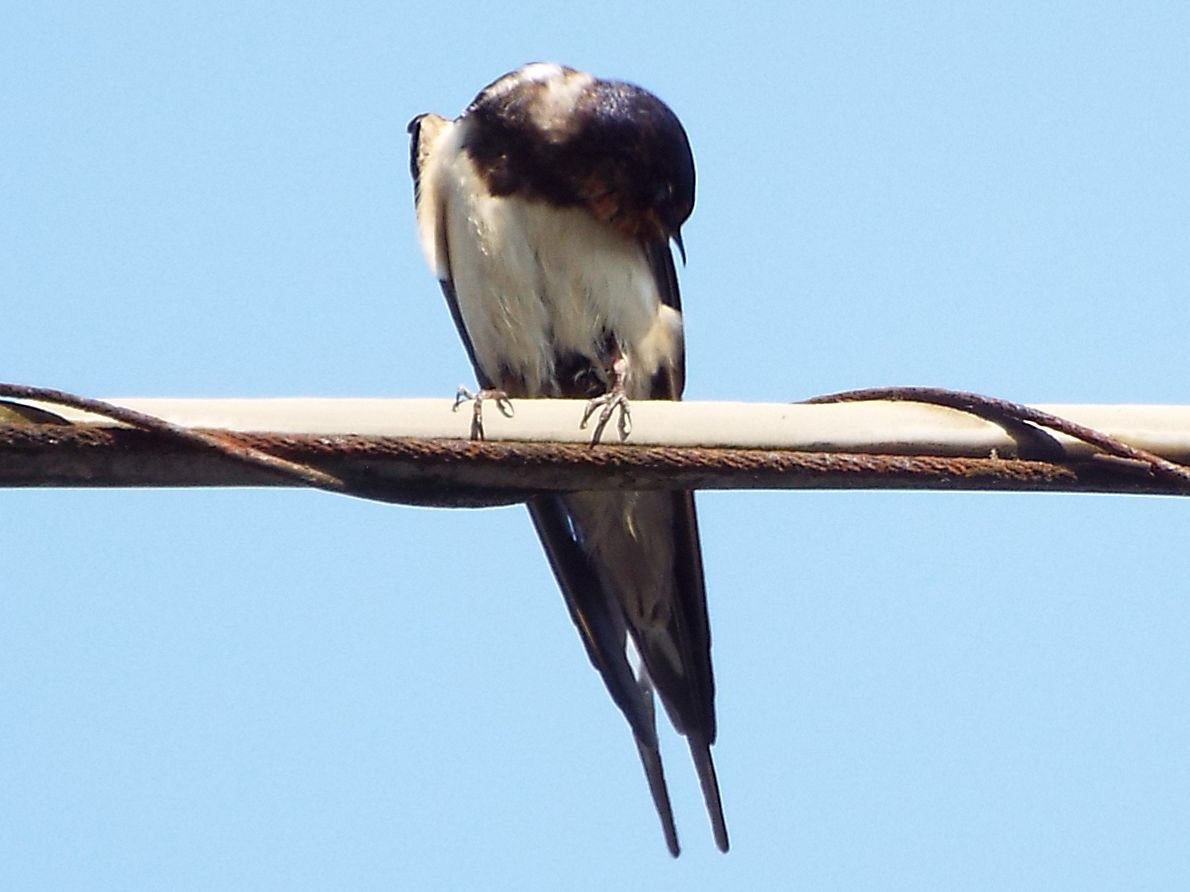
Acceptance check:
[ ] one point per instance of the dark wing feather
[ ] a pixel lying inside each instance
(661, 261)
(669, 383)
(601, 625)
(690, 698)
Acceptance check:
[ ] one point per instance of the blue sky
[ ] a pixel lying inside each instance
(281, 689)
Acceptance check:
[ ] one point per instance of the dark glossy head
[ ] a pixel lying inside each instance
(558, 135)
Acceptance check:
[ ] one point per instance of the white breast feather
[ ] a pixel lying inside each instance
(533, 280)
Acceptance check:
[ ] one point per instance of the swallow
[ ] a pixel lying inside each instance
(547, 210)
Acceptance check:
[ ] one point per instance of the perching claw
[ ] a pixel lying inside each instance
(615, 398)
(503, 403)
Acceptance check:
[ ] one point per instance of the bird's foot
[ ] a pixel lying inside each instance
(503, 403)
(615, 399)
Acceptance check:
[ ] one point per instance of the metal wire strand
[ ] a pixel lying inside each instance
(224, 444)
(1006, 413)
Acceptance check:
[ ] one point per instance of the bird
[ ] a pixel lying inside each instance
(547, 210)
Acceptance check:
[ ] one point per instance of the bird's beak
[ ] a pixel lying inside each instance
(677, 237)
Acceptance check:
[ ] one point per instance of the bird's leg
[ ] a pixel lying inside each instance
(503, 403)
(615, 398)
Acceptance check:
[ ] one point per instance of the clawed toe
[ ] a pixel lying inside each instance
(609, 402)
(503, 403)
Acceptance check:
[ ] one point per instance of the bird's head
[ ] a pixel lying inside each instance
(562, 136)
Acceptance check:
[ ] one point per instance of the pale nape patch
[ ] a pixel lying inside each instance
(556, 90)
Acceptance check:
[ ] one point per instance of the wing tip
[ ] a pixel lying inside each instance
(700, 751)
(650, 758)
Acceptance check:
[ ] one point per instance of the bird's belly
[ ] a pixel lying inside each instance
(545, 290)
